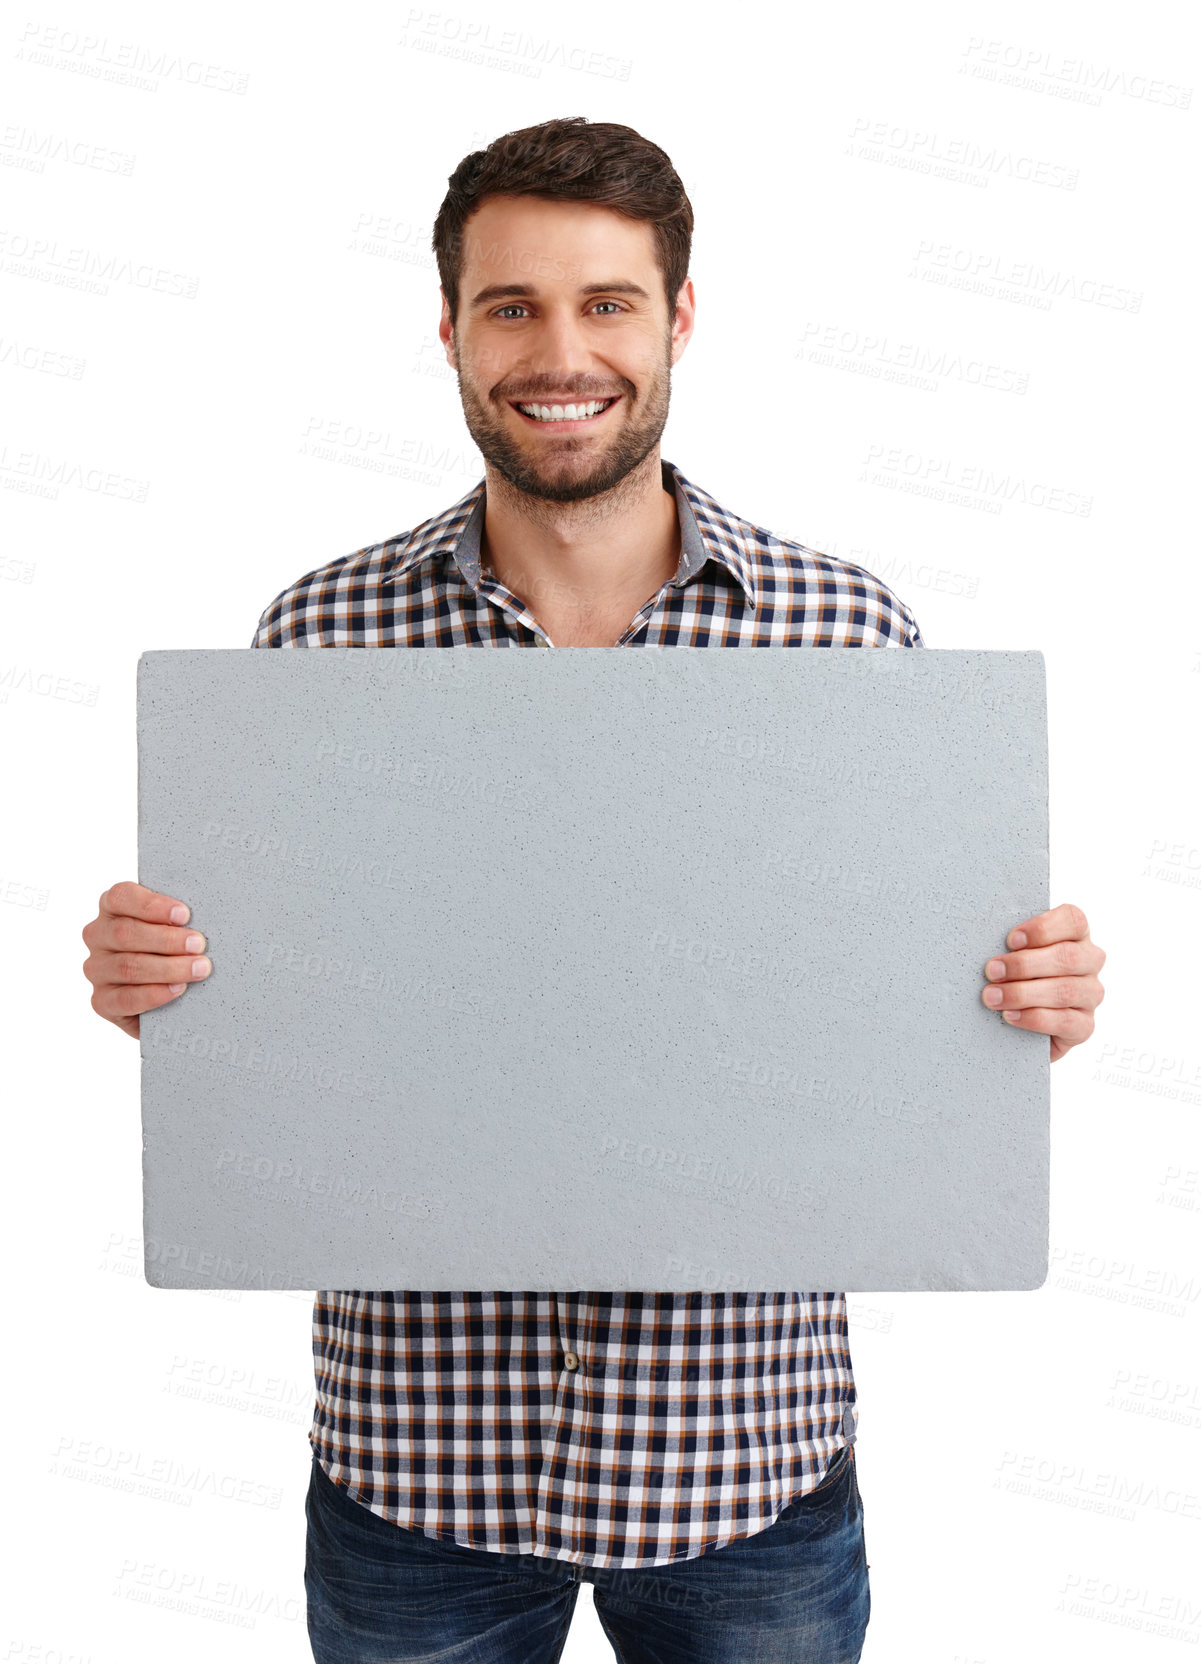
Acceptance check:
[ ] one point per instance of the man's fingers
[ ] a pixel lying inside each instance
(135, 901)
(1070, 958)
(1056, 925)
(142, 953)
(135, 919)
(1067, 1027)
(1082, 993)
(116, 933)
(120, 969)
(128, 1000)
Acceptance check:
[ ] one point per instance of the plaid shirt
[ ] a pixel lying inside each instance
(605, 1429)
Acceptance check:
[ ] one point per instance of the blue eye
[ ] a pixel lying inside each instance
(517, 306)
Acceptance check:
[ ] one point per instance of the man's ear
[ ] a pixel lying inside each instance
(684, 321)
(446, 332)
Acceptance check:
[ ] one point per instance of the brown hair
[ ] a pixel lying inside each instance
(570, 158)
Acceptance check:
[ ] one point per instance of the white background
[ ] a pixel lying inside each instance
(981, 220)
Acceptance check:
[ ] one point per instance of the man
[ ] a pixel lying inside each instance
(475, 1455)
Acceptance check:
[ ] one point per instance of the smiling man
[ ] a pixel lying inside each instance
(565, 380)
(477, 1454)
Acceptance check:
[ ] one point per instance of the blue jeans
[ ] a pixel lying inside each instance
(796, 1593)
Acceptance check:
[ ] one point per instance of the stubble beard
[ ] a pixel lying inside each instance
(619, 458)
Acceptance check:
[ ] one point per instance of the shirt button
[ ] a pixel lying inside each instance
(570, 1361)
(541, 641)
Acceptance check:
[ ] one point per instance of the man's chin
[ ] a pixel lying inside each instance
(560, 487)
(570, 478)
(568, 471)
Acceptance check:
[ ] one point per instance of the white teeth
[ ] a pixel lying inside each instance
(564, 413)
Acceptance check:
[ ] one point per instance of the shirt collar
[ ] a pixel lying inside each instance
(707, 532)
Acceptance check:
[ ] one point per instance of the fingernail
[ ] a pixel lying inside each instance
(177, 987)
(1012, 1016)
(180, 914)
(201, 967)
(1017, 939)
(992, 996)
(995, 968)
(194, 943)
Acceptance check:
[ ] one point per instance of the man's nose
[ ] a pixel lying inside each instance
(557, 347)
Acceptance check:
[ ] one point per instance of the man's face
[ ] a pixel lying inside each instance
(562, 303)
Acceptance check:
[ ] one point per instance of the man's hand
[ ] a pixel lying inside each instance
(1049, 983)
(142, 953)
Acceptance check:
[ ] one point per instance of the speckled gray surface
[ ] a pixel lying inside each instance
(591, 969)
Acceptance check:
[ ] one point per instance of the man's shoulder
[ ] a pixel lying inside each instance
(873, 611)
(319, 609)
(307, 612)
(831, 600)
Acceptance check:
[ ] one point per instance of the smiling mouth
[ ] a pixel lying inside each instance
(578, 415)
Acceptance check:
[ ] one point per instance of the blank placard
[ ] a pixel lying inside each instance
(594, 969)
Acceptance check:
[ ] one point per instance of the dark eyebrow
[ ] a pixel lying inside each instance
(523, 291)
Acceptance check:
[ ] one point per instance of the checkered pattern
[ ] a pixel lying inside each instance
(605, 1429)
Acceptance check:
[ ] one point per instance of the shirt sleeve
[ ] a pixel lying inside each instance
(913, 636)
(267, 632)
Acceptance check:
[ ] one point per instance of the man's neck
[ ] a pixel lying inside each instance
(588, 561)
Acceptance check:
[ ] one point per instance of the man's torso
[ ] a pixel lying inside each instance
(607, 1429)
